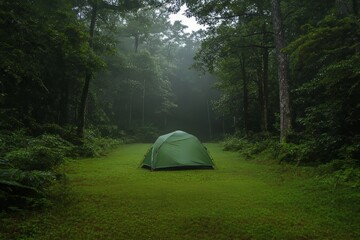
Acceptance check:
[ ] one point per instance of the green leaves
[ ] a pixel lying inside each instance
(20, 188)
(44, 51)
(325, 65)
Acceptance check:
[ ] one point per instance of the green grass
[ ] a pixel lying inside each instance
(113, 199)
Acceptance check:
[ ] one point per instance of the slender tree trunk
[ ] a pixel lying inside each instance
(285, 118)
(261, 96)
(264, 85)
(236, 128)
(143, 103)
(76, 111)
(130, 111)
(136, 45)
(245, 96)
(88, 77)
(208, 117)
(223, 124)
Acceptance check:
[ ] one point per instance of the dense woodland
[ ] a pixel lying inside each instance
(280, 78)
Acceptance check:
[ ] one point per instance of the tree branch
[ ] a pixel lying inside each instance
(257, 33)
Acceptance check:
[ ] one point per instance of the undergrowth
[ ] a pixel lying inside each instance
(342, 168)
(30, 162)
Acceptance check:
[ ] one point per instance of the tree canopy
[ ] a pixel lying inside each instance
(122, 67)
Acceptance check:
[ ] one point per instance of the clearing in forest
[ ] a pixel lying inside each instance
(113, 199)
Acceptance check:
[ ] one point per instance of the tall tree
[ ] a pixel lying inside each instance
(43, 53)
(243, 29)
(327, 57)
(95, 6)
(285, 116)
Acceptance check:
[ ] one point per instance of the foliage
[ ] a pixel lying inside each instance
(328, 56)
(93, 146)
(146, 134)
(19, 188)
(28, 168)
(343, 170)
(34, 158)
(44, 52)
(111, 131)
(29, 165)
(34, 153)
(13, 140)
(234, 144)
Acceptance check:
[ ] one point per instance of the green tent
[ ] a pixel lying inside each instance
(177, 150)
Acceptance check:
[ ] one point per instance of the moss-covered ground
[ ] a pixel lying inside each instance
(111, 198)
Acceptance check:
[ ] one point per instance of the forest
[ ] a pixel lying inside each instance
(274, 84)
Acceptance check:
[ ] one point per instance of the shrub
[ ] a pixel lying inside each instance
(299, 153)
(13, 140)
(234, 144)
(35, 158)
(265, 145)
(110, 131)
(93, 146)
(28, 165)
(23, 188)
(53, 142)
(146, 134)
(48, 128)
(351, 151)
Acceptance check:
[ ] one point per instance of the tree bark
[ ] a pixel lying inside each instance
(209, 119)
(88, 76)
(245, 96)
(136, 44)
(143, 103)
(130, 112)
(223, 124)
(285, 118)
(264, 86)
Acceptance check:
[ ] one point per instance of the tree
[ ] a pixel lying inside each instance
(43, 53)
(327, 57)
(285, 117)
(138, 81)
(95, 6)
(243, 32)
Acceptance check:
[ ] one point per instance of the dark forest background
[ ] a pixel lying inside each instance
(79, 76)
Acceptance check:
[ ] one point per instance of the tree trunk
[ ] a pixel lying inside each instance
(262, 76)
(264, 86)
(209, 120)
(88, 77)
(245, 96)
(130, 112)
(223, 124)
(136, 45)
(261, 96)
(285, 118)
(143, 103)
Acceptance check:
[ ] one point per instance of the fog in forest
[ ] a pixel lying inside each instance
(266, 95)
(151, 81)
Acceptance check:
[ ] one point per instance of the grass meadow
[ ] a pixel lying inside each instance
(111, 198)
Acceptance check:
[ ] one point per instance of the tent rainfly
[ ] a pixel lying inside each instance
(177, 150)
